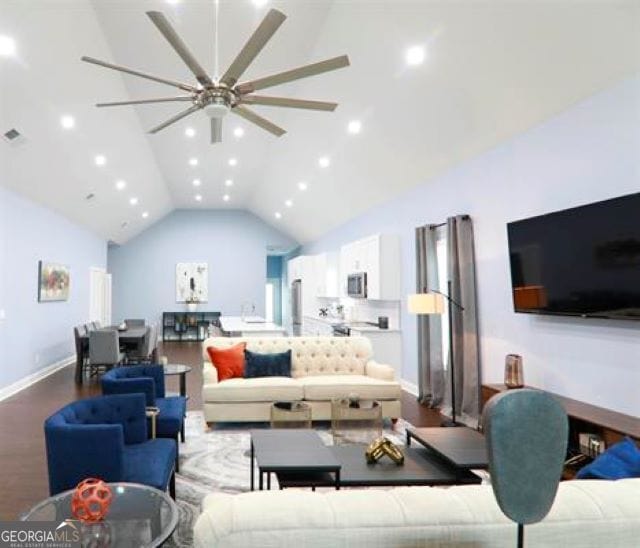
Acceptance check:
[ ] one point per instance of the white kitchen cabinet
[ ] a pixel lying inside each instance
(303, 268)
(379, 257)
(326, 275)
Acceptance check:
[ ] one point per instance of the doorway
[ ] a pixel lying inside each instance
(273, 289)
(99, 296)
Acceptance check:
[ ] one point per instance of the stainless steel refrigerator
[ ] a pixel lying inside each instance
(296, 307)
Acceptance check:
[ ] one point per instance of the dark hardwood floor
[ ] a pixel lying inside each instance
(23, 470)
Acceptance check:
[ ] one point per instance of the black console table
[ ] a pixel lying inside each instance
(188, 326)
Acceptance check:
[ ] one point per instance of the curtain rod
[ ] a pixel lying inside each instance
(464, 217)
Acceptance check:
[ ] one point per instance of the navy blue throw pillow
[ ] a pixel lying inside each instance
(267, 365)
(621, 460)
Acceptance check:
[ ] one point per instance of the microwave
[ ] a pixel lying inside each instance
(357, 285)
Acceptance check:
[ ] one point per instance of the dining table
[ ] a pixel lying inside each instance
(131, 336)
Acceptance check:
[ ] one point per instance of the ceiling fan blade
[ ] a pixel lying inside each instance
(294, 74)
(184, 87)
(254, 45)
(258, 120)
(216, 130)
(145, 101)
(288, 103)
(163, 25)
(175, 118)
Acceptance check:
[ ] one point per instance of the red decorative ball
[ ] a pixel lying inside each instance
(91, 500)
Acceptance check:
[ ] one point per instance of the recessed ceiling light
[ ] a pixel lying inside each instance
(238, 132)
(133, 201)
(302, 185)
(288, 203)
(7, 46)
(278, 215)
(145, 214)
(190, 132)
(198, 197)
(324, 161)
(67, 121)
(228, 183)
(100, 160)
(193, 162)
(226, 197)
(259, 3)
(233, 162)
(120, 184)
(354, 127)
(415, 55)
(196, 182)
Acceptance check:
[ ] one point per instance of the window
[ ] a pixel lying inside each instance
(443, 277)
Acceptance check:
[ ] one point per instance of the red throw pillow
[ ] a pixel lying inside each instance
(228, 361)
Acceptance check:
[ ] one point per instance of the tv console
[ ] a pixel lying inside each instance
(610, 425)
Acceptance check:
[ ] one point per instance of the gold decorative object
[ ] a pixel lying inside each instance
(381, 447)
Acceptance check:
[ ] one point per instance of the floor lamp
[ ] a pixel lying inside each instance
(432, 302)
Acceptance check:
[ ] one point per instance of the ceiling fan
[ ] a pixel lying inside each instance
(219, 97)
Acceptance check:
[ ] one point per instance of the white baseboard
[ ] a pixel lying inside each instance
(24, 382)
(409, 387)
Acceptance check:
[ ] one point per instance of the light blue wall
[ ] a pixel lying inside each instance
(233, 243)
(589, 152)
(34, 335)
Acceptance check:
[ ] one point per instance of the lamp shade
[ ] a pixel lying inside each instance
(426, 303)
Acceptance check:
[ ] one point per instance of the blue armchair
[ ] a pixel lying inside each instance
(106, 437)
(149, 380)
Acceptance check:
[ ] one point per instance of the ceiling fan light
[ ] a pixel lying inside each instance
(216, 110)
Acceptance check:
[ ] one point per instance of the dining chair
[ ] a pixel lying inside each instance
(104, 348)
(144, 352)
(135, 322)
(82, 348)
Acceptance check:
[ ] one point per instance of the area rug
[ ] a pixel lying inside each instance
(217, 461)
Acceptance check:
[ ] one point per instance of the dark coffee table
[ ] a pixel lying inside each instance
(292, 451)
(299, 458)
(420, 467)
(462, 447)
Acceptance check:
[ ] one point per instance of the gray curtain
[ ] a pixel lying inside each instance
(466, 352)
(431, 384)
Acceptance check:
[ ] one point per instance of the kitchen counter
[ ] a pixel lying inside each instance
(356, 326)
(250, 326)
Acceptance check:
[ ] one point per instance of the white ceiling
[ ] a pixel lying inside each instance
(493, 69)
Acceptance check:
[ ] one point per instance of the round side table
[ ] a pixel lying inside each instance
(138, 516)
(178, 369)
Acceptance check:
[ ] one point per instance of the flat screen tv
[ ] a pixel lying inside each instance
(583, 261)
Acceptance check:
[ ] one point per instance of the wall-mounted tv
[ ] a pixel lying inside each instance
(583, 261)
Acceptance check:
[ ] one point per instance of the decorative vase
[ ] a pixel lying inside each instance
(513, 373)
(90, 501)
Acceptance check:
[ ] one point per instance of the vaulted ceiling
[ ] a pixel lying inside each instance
(492, 70)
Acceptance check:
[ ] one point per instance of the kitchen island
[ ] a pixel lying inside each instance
(250, 326)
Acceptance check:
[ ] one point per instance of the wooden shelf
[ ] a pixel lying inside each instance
(617, 423)
(584, 417)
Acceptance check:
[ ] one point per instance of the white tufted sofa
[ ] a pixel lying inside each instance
(585, 514)
(322, 368)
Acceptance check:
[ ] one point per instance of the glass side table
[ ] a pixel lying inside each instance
(138, 516)
(290, 415)
(178, 369)
(355, 420)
